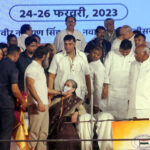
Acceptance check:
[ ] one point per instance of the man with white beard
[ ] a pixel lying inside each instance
(139, 87)
(117, 65)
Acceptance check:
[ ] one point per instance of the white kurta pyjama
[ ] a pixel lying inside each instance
(139, 90)
(97, 74)
(117, 76)
(64, 68)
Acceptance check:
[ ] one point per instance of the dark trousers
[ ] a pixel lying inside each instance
(7, 118)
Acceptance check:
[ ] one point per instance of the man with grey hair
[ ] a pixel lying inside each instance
(127, 33)
(139, 87)
(110, 31)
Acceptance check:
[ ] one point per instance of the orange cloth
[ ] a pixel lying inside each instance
(20, 131)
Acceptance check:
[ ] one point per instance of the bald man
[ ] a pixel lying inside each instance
(139, 87)
(127, 33)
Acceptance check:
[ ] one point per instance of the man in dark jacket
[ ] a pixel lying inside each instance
(99, 41)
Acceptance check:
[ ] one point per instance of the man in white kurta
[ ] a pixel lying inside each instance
(97, 74)
(97, 79)
(103, 128)
(80, 41)
(139, 87)
(71, 63)
(117, 65)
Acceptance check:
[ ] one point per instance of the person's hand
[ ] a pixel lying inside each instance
(74, 117)
(23, 105)
(105, 92)
(41, 107)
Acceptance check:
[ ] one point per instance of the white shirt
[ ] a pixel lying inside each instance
(21, 41)
(117, 69)
(59, 40)
(97, 79)
(36, 72)
(64, 68)
(116, 44)
(139, 90)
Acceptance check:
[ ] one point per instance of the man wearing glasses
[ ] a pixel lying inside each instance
(70, 23)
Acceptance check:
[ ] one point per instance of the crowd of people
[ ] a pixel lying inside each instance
(62, 86)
